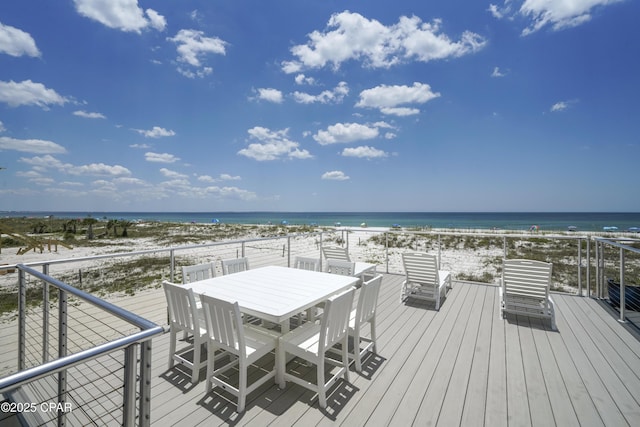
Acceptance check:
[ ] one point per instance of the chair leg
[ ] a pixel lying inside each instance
(322, 394)
(281, 366)
(210, 366)
(195, 369)
(345, 355)
(356, 351)
(172, 345)
(372, 322)
(242, 386)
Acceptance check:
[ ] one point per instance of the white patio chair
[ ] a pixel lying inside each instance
(365, 312)
(311, 341)
(424, 280)
(192, 273)
(306, 263)
(525, 289)
(236, 265)
(336, 252)
(344, 268)
(225, 331)
(183, 316)
(311, 264)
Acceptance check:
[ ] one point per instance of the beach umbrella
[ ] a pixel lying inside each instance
(363, 225)
(215, 221)
(284, 222)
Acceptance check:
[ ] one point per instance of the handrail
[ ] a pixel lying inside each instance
(121, 313)
(23, 377)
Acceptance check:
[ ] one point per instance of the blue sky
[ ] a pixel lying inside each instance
(447, 105)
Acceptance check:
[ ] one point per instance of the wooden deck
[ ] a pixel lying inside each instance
(462, 365)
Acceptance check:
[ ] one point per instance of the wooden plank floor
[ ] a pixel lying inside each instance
(463, 365)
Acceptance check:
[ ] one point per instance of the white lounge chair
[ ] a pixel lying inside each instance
(183, 316)
(424, 280)
(225, 331)
(311, 341)
(336, 252)
(235, 265)
(365, 312)
(525, 289)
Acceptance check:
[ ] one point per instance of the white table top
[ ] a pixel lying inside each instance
(274, 293)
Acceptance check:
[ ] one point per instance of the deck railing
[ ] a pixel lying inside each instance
(65, 374)
(618, 276)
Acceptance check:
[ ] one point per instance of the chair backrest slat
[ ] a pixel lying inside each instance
(192, 273)
(182, 306)
(230, 266)
(368, 300)
(421, 268)
(306, 263)
(335, 319)
(224, 324)
(343, 268)
(528, 278)
(335, 252)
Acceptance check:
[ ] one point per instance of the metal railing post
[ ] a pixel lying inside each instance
(129, 393)
(22, 322)
(62, 352)
(172, 264)
(243, 249)
(588, 266)
(580, 267)
(598, 254)
(45, 316)
(623, 302)
(320, 250)
(439, 250)
(386, 249)
(145, 384)
(288, 251)
(504, 246)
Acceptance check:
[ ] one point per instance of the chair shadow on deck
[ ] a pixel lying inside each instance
(528, 322)
(425, 305)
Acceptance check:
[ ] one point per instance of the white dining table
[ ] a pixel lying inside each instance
(274, 293)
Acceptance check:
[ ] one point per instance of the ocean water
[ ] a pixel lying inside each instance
(545, 221)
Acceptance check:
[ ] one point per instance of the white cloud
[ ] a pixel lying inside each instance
(99, 169)
(36, 146)
(230, 193)
(155, 132)
(160, 157)
(272, 145)
(335, 176)
(227, 177)
(345, 132)
(364, 152)
(301, 79)
(156, 20)
(123, 15)
(192, 46)
(172, 174)
(559, 106)
(2, 128)
(88, 115)
(16, 42)
(497, 73)
(559, 14)
(351, 36)
(336, 95)
(270, 94)
(29, 93)
(388, 98)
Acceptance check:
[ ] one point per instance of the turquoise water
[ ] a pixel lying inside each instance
(549, 221)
